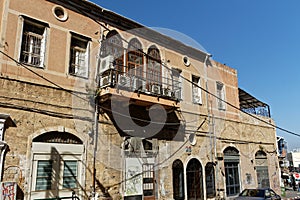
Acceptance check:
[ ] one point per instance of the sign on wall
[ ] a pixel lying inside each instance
(134, 181)
(8, 191)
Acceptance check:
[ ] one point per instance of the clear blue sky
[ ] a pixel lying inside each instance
(258, 38)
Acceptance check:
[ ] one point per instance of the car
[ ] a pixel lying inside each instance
(257, 194)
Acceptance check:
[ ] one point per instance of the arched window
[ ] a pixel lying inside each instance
(262, 173)
(154, 71)
(57, 164)
(210, 180)
(112, 45)
(194, 180)
(135, 58)
(178, 180)
(231, 163)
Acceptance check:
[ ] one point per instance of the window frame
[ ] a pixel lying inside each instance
(178, 180)
(221, 96)
(58, 152)
(30, 23)
(196, 91)
(82, 70)
(135, 50)
(210, 180)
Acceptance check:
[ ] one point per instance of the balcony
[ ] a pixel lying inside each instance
(145, 88)
(251, 105)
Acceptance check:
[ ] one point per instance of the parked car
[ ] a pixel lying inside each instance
(257, 194)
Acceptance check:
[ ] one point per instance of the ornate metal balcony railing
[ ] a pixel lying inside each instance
(251, 105)
(136, 80)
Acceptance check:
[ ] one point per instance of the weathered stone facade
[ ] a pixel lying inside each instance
(189, 150)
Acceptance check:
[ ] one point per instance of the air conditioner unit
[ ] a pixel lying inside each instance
(106, 63)
(124, 81)
(105, 81)
(155, 89)
(167, 92)
(176, 94)
(139, 84)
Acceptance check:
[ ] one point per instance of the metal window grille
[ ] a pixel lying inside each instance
(33, 45)
(232, 178)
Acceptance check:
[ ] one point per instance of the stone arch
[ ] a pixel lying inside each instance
(194, 180)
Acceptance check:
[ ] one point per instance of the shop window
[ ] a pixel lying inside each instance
(33, 43)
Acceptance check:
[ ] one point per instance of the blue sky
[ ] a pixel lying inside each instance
(258, 38)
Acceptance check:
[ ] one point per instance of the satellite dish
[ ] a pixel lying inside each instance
(192, 139)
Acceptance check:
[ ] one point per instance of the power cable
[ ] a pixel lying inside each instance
(165, 66)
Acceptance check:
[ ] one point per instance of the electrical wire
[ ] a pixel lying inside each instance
(165, 66)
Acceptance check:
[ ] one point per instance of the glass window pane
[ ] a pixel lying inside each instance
(70, 174)
(44, 175)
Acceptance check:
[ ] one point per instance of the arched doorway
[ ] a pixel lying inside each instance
(231, 164)
(194, 179)
(210, 180)
(178, 180)
(262, 173)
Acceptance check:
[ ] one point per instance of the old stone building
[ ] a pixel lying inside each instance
(95, 104)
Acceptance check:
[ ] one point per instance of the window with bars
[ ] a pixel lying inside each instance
(44, 175)
(221, 96)
(231, 164)
(196, 91)
(79, 56)
(33, 43)
(70, 174)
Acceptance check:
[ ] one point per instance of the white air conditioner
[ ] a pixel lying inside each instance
(106, 63)
(105, 81)
(139, 84)
(167, 92)
(155, 89)
(177, 94)
(124, 81)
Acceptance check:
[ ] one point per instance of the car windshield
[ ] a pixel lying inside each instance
(253, 193)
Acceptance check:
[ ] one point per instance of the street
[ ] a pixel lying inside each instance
(290, 194)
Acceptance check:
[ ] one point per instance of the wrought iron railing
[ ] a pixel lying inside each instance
(261, 111)
(142, 82)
